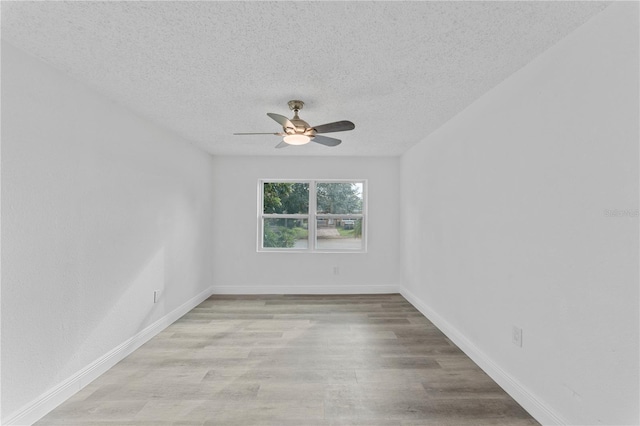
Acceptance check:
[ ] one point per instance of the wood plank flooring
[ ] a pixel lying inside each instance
(295, 360)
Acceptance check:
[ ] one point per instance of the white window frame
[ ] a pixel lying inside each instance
(312, 216)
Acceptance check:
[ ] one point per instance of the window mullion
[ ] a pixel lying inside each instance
(312, 216)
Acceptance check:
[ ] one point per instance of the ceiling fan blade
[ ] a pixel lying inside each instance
(282, 120)
(277, 134)
(282, 144)
(338, 126)
(324, 140)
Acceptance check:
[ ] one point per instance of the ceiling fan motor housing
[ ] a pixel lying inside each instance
(300, 126)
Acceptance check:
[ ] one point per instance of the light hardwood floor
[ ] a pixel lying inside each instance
(295, 360)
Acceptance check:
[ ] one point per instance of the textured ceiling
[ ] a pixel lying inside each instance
(398, 70)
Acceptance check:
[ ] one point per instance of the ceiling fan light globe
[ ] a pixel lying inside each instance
(296, 139)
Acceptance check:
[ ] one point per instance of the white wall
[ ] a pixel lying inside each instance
(504, 223)
(239, 268)
(99, 208)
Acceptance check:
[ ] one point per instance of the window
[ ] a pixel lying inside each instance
(312, 216)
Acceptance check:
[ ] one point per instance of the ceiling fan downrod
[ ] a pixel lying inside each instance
(295, 106)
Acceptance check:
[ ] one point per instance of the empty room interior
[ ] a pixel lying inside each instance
(320, 213)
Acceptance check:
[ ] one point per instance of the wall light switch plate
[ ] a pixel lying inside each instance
(516, 336)
(156, 296)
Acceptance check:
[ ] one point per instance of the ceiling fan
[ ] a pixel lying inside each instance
(298, 132)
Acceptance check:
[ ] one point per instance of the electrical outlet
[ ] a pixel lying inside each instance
(336, 270)
(156, 296)
(516, 336)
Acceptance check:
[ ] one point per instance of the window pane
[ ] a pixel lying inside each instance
(339, 234)
(285, 233)
(339, 197)
(285, 197)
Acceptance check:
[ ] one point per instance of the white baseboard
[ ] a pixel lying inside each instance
(538, 409)
(319, 289)
(39, 407)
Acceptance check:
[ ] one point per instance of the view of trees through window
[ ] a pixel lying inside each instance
(286, 197)
(337, 215)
